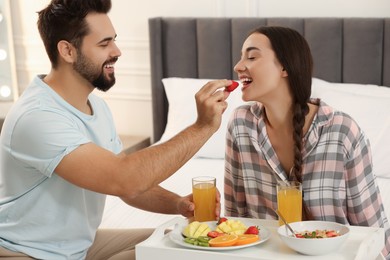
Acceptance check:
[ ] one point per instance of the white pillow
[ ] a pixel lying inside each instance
(369, 105)
(182, 112)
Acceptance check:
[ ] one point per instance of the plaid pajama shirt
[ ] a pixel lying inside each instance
(338, 180)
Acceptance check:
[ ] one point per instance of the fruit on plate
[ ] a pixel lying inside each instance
(232, 86)
(225, 240)
(199, 241)
(232, 226)
(196, 229)
(214, 234)
(246, 239)
(221, 219)
(229, 232)
(252, 230)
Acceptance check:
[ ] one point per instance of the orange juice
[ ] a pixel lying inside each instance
(204, 193)
(290, 202)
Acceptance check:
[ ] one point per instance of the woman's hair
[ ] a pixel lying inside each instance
(65, 20)
(293, 53)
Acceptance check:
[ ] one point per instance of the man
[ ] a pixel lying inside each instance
(60, 153)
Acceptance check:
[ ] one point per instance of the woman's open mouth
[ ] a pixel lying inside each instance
(246, 81)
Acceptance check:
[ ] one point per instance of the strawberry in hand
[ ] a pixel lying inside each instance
(232, 87)
(252, 230)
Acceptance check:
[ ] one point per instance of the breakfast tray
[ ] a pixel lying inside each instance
(362, 243)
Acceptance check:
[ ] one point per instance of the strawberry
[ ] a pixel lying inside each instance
(214, 234)
(232, 87)
(331, 233)
(252, 230)
(221, 220)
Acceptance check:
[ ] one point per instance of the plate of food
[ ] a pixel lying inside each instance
(225, 234)
(314, 237)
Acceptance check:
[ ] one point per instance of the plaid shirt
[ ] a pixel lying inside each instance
(338, 180)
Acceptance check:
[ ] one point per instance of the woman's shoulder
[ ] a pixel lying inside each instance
(336, 121)
(330, 115)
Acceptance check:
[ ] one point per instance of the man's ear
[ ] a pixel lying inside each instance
(67, 51)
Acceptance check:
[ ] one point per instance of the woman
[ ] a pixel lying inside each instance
(285, 135)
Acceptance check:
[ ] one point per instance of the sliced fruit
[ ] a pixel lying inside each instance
(196, 229)
(191, 228)
(232, 226)
(214, 234)
(246, 239)
(222, 219)
(202, 230)
(252, 230)
(332, 233)
(224, 227)
(223, 241)
(200, 241)
(232, 87)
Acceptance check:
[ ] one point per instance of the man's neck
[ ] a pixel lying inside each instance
(71, 87)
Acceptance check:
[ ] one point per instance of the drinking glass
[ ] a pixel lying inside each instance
(289, 196)
(204, 193)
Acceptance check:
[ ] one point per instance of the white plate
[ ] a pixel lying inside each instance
(178, 239)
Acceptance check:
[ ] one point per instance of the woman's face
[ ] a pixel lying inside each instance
(258, 69)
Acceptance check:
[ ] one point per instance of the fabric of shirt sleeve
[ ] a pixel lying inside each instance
(234, 189)
(364, 203)
(47, 137)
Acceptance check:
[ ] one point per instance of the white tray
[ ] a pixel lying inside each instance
(363, 243)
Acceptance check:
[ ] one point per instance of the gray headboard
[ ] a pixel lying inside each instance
(354, 50)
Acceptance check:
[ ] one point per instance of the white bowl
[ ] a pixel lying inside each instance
(314, 246)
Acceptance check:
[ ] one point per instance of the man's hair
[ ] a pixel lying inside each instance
(65, 20)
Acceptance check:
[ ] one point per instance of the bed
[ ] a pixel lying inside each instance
(351, 73)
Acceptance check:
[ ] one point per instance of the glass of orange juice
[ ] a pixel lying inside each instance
(289, 196)
(204, 193)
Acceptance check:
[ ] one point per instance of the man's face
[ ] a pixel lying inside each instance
(97, 56)
(96, 73)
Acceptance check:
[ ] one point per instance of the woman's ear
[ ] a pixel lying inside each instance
(66, 51)
(284, 73)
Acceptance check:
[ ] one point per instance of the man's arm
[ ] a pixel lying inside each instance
(94, 168)
(160, 200)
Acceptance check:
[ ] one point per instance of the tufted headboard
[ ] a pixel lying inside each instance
(348, 50)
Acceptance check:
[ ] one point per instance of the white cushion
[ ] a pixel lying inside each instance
(182, 112)
(369, 105)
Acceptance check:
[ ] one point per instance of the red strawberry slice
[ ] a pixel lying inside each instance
(232, 87)
(252, 230)
(220, 220)
(214, 234)
(331, 233)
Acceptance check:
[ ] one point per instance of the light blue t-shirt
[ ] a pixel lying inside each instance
(41, 214)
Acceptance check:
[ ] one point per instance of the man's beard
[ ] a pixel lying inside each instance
(94, 74)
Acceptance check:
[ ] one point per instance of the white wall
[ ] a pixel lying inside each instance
(130, 99)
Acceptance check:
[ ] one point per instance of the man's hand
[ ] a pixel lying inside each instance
(186, 206)
(210, 103)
